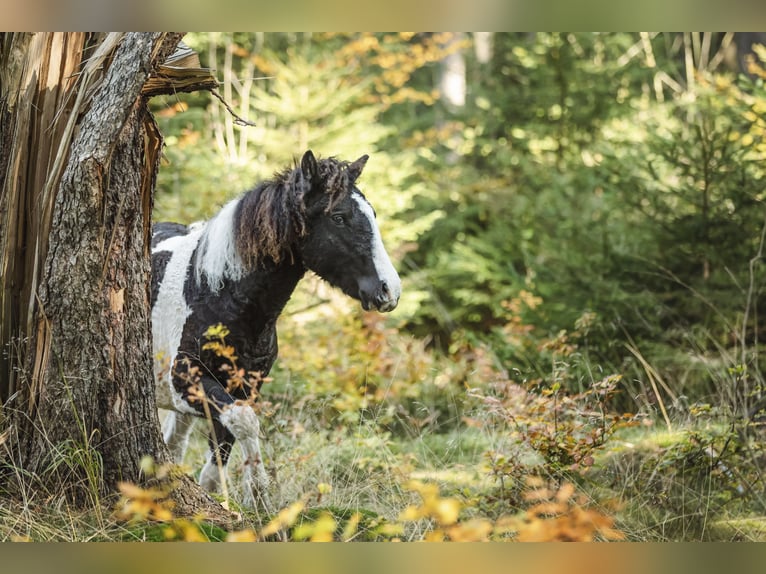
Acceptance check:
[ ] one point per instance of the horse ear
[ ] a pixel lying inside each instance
(309, 167)
(355, 169)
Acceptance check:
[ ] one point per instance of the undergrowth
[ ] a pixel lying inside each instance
(380, 439)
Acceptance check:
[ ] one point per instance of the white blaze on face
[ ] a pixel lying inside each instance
(383, 266)
(169, 316)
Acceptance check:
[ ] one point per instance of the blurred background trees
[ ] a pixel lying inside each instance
(561, 206)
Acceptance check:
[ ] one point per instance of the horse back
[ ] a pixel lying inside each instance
(165, 229)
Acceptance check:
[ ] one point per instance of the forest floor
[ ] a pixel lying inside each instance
(645, 484)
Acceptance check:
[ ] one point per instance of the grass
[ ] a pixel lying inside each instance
(683, 485)
(650, 480)
(416, 455)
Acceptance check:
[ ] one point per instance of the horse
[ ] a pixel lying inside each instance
(237, 271)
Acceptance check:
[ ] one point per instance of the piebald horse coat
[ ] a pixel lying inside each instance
(239, 269)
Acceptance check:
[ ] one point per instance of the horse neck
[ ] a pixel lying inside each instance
(270, 286)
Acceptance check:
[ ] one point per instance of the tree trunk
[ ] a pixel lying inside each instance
(79, 162)
(482, 45)
(452, 81)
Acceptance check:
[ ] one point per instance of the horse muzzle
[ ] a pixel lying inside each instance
(383, 296)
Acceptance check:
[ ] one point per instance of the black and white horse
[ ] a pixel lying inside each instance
(239, 269)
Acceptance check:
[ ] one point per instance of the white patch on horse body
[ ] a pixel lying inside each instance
(169, 316)
(380, 258)
(217, 256)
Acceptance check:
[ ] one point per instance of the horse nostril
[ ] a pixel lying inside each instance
(384, 288)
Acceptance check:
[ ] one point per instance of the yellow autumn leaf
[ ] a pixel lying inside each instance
(389, 529)
(130, 490)
(147, 465)
(324, 528)
(547, 508)
(446, 511)
(612, 534)
(434, 536)
(241, 536)
(218, 331)
(538, 494)
(426, 491)
(190, 532)
(351, 527)
(565, 492)
(534, 531)
(475, 530)
(411, 514)
(286, 517)
(161, 514)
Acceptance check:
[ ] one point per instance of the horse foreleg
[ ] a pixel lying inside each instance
(233, 422)
(242, 422)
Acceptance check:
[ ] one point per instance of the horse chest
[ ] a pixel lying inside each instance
(249, 310)
(249, 345)
(255, 349)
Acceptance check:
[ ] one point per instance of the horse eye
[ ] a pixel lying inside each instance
(338, 219)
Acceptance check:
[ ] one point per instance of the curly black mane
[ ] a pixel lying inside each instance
(271, 217)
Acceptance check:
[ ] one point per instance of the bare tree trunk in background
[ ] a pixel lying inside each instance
(452, 87)
(482, 45)
(452, 82)
(232, 143)
(79, 154)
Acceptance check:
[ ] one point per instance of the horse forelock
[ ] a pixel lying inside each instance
(334, 176)
(270, 218)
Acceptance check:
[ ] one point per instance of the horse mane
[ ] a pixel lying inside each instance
(266, 222)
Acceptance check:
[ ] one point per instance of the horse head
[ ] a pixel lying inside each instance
(342, 243)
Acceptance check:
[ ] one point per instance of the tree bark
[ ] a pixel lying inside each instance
(35, 104)
(78, 389)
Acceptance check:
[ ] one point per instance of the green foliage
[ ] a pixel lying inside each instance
(581, 183)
